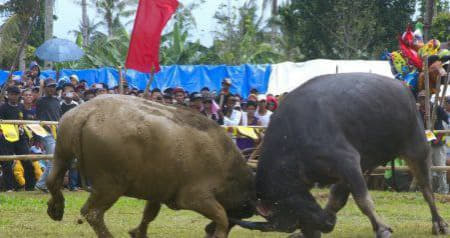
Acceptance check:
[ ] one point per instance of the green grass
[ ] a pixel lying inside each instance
(23, 214)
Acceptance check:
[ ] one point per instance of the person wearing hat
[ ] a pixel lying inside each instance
(262, 113)
(196, 101)
(48, 108)
(438, 153)
(35, 73)
(74, 80)
(211, 110)
(14, 141)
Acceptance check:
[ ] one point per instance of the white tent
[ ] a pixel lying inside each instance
(288, 76)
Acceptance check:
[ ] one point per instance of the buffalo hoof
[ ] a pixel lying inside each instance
(136, 233)
(384, 233)
(440, 227)
(55, 209)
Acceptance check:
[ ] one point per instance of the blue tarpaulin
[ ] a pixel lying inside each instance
(190, 77)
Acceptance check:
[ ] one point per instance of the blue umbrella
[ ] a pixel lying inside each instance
(59, 50)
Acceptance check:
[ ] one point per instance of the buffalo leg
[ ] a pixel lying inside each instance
(338, 198)
(54, 183)
(150, 213)
(94, 210)
(358, 188)
(421, 171)
(208, 206)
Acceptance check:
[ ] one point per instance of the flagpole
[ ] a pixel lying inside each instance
(149, 83)
(120, 80)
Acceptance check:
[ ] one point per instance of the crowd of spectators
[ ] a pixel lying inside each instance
(32, 97)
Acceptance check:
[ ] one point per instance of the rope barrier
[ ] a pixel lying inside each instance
(251, 163)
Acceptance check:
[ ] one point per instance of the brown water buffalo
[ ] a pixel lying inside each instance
(333, 130)
(166, 155)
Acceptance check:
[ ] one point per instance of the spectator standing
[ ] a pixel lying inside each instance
(48, 108)
(272, 103)
(438, 153)
(74, 80)
(232, 113)
(67, 102)
(211, 110)
(179, 96)
(29, 105)
(196, 102)
(157, 95)
(35, 73)
(14, 141)
(248, 117)
(262, 113)
(225, 93)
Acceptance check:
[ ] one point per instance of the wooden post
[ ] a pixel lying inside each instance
(120, 80)
(436, 100)
(149, 83)
(444, 92)
(427, 95)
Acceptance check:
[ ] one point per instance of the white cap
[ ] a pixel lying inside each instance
(262, 97)
(74, 76)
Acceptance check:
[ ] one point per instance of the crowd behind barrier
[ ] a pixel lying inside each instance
(37, 98)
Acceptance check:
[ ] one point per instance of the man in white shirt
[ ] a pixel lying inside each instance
(262, 113)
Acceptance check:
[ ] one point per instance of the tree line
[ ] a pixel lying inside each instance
(295, 30)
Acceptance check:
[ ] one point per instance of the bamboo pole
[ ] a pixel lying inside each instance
(447, 80)
(32, 157)
(19, 122)
(436, 101)
(120, 80)
(427, 95)
(149, 83)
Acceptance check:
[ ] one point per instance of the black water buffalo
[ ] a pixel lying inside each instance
(333, 130)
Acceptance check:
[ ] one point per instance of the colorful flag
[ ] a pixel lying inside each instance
(151, 17)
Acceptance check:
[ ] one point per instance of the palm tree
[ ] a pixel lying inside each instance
(49, 10)
(112, 10)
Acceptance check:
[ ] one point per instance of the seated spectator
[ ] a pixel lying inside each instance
(272, 103)
(248, 117)
(262, 113)
(211, 110)
(196, 102)
(254, 91)
(224, 93)
(179, 96)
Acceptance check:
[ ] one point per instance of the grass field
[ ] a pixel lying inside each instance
(23, 214)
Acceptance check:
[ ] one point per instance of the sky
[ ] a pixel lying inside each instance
(69, 17)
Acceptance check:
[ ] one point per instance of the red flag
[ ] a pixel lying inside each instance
(151, 17)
